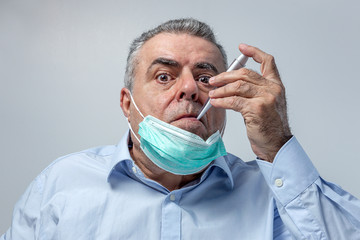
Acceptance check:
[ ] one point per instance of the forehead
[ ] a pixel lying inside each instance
(183, 48)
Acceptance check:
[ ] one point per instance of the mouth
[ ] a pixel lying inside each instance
(187, 116)
(189, 122)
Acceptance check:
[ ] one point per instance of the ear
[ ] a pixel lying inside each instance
(125, 101)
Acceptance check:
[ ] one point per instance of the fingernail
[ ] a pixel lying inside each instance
(211, 80)
(211, 93)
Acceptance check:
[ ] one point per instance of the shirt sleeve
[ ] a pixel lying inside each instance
(310, 207)
(26, 214)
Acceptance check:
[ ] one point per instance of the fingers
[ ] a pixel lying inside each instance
(259, 98)
(232, 102)
(268, 67)
(243, 74)
(243, 82)
(237, 88)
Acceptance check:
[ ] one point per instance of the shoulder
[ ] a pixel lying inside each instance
(97, 157)
(80, 168)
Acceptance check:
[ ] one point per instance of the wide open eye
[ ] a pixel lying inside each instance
(163, 78)
(204, 79)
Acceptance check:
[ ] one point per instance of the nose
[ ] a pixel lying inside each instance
(188, 88)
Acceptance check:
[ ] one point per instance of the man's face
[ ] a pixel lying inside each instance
(171, 82)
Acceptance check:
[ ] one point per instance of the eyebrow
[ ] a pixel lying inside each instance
(208, 66)
(164, 61)
(172, 63)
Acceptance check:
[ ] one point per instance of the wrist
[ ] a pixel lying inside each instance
(270, 152)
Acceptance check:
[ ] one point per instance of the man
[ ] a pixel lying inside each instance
(170, 177)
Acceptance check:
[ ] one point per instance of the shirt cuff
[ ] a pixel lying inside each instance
(291, 172)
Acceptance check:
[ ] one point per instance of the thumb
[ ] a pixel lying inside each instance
(268, 67)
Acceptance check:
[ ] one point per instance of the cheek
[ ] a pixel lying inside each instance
(160, 104)
(203, 96)
(218, 119)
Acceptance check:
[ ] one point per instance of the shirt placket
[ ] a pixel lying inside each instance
(171, 216)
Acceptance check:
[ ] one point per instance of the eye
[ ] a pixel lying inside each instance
(163, 78)
(204, 79)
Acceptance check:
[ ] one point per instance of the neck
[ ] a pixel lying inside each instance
(169, 180)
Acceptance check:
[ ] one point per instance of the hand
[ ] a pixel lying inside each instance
(259, 98)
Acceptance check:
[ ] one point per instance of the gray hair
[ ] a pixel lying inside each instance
(184, 25)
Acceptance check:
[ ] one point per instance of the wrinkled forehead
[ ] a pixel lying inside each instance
(182, 47)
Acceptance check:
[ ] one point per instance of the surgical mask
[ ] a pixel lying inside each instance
(176, 150)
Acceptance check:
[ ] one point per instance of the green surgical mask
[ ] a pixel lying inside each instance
(176, 150)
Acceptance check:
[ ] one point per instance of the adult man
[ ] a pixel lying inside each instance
(145, 188)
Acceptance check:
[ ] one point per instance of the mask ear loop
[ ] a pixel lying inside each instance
(137, 109)
(133, 132)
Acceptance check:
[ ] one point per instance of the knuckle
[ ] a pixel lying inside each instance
(242, 88)
(246, 88)
(271, 58)
(234, 103)
(258, 109)
(262, 105)
(226, 89)
(238, 85)
(279, 90)
(271, 99)
(244, 71)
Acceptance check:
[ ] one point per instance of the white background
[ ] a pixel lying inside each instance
(62, 65)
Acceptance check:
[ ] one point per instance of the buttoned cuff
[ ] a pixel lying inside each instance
(291, 172)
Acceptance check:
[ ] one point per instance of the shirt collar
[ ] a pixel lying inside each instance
(221, 163)
(122, 157)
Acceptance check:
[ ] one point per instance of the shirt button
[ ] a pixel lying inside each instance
(278, 182)
(134, 170)
(172, 197)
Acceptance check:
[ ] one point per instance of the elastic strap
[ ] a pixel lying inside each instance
(133, 131)
(137, 109)
(133, 101)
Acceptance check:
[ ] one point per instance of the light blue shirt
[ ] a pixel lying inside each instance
(101, 194)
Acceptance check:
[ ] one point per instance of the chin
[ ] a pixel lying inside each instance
(196, 128)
